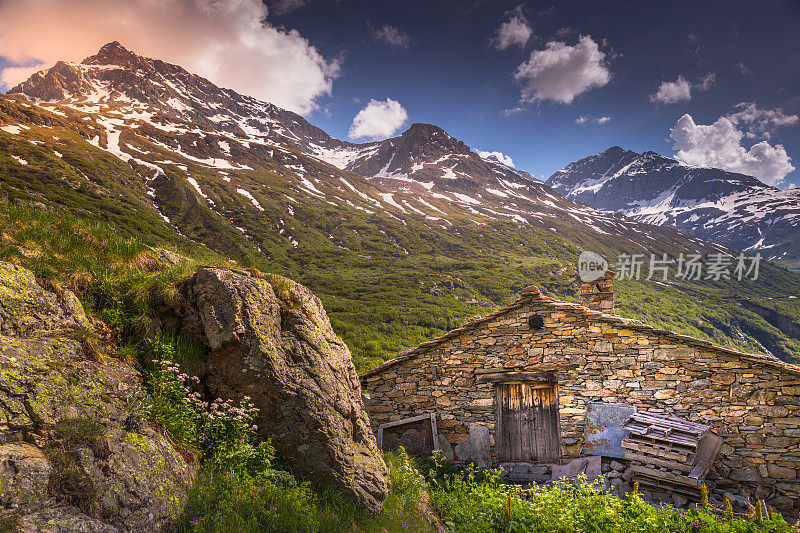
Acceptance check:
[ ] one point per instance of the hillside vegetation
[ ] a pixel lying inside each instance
(242, 486)
(388, 282)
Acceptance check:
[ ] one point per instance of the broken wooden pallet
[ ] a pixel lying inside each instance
(669, 454)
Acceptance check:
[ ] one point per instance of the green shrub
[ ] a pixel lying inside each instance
(403, 474)
(138, 409)
(239, 502)
(221, 500)
(223, 430)
(169, 405)
(475, 501)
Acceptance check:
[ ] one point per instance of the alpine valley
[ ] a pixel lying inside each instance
(403, 238)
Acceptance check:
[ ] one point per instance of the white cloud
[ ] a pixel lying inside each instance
(719, 145)
(706, 82)
(742, 69)
(760, 123)
(391, 35)
(282, 7)
(561, 72)
(499, 157)
(672, 92)
(378, 120)
(226, 41)
(513, 32)
(514, 110)
(680, 90)
(583, 119)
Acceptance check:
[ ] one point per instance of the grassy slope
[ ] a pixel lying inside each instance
(373, 272)
(113, 271)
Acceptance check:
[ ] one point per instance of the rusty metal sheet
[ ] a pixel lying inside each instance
(604, 433)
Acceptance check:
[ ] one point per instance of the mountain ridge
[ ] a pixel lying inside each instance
(726, 207)
(397, 256)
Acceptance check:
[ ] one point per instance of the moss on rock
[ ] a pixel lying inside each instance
(84, 472)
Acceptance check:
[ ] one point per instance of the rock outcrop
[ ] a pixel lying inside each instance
(66, 461)
(270, 339)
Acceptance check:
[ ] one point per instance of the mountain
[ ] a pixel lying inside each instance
(426, 160)
(401, 238)
(733, 209)
(160, 101)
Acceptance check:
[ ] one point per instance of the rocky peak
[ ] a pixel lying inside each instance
(58, 83)
(114, 53)
(614, 150)
(426, 139)
(120, 78)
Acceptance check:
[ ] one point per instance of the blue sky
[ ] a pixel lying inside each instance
(452, 76)
(442, 63)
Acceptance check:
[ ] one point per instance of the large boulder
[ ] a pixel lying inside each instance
(271, 340)
(53, 476)
(27, 308)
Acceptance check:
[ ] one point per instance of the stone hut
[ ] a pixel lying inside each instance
(560, 356)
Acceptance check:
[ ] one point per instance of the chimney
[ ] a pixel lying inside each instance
(598, 295)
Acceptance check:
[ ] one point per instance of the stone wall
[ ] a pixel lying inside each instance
(753, 402)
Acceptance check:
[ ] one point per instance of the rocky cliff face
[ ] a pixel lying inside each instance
(271, 340)
(67, 463)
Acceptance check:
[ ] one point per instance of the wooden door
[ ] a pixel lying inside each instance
(528, 428)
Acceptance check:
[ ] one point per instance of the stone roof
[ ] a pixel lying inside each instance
(532, 294)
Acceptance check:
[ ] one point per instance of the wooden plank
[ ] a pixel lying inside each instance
(557, 418)
(546, 436)
(528, 427)
(706, 453)
(655, 450)
(646, 442)
(527, 415)
(540, 425)
(409, 420)
(435, 432)
(554, 432)
(671, 419)
(646, 459)
(517, 413)
(661, 486)
(662, 474)
(676, 423)
(500, 377)
(675, 439)
(650, 429)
